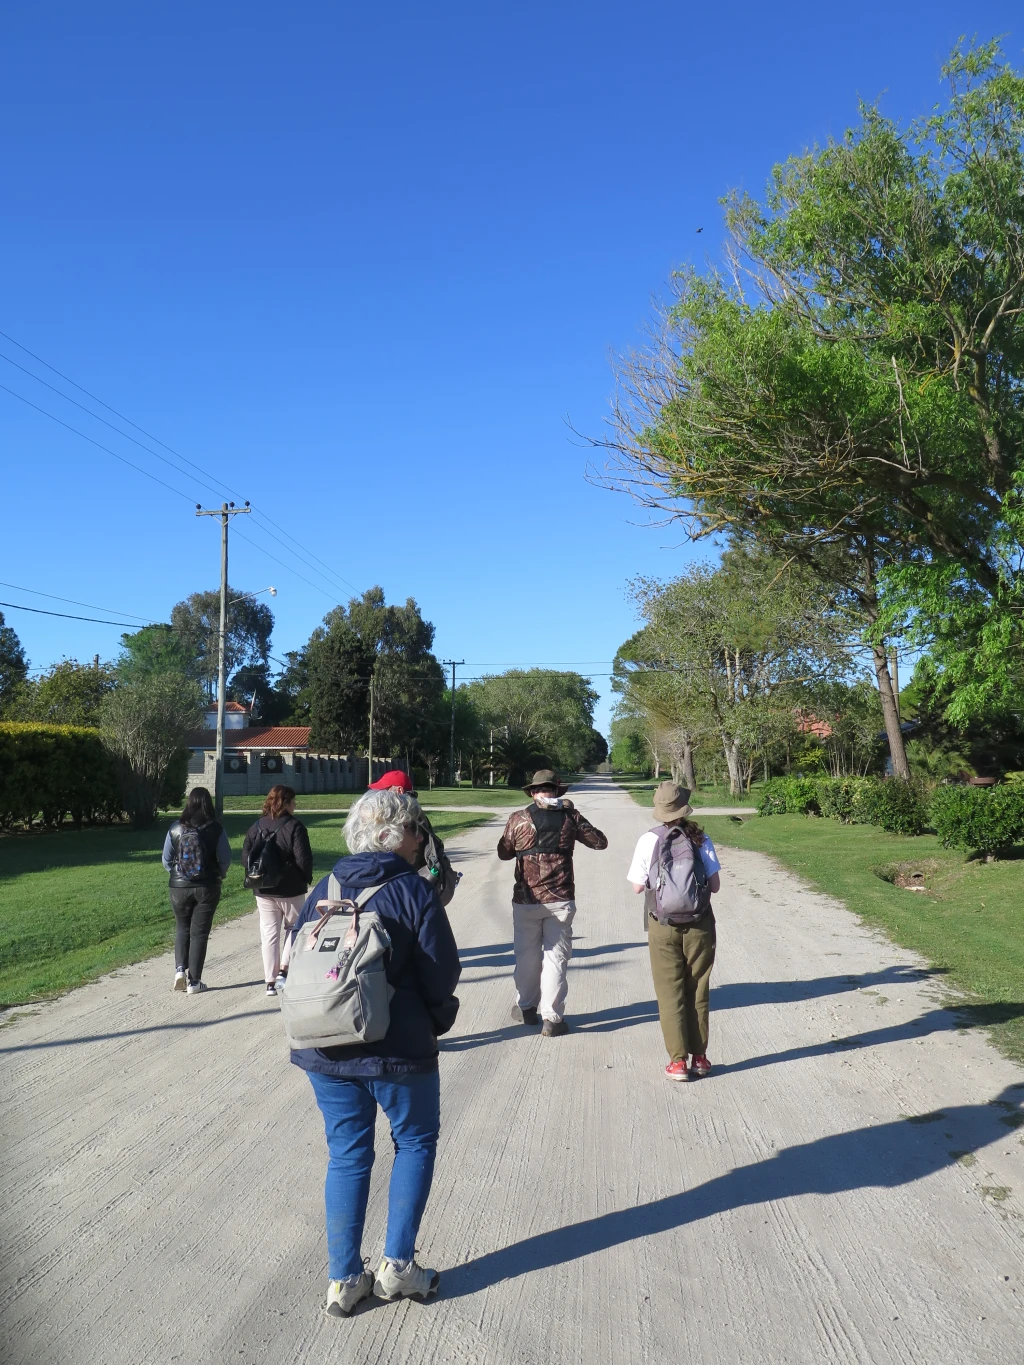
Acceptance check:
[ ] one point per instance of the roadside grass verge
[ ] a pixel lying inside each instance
(79, 903)
(967, 921)
(438, 796)
(642, 789)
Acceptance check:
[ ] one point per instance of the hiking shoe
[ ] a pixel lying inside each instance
(343, 1295)
(701, 1065)
(411, 1281)
(554, 1028)
(272, 990)
(527, 1016)
(180, 979)
(194, 987)
(678, 1071)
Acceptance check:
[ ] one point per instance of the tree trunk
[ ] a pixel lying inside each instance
(732, 759)
(689, 780)
(897, 748)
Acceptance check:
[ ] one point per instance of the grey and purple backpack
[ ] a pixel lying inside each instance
(677, 882)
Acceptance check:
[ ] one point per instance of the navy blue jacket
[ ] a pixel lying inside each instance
(423, 967)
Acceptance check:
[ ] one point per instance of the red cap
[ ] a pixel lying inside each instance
(396, 778)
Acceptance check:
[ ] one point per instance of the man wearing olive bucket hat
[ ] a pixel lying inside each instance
(541, 838)
(676, 867)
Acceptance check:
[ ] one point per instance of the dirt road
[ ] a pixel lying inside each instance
(846, 1188)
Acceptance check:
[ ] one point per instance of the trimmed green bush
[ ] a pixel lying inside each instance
(979, 819)
(788, 796)
(893, 804)
(836, 796)
(54, 773)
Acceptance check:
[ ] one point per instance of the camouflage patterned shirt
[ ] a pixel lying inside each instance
(545, 877)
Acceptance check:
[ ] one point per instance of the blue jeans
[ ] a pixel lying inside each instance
(412, 1103)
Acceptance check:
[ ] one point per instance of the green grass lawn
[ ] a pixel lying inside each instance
(439, 796)
(642, 789)
(968, 922)
(76, 904)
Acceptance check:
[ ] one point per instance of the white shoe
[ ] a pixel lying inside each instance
(343, 1295)
(180, 979)
(412, 1282)
(194, 987)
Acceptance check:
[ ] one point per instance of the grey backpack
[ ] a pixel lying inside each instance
(337, 994)
(677, 879)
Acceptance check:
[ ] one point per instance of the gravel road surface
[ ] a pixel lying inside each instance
(846, 1188)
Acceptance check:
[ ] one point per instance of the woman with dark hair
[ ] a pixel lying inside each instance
(287, 872)
(677, 868)
(197, 855)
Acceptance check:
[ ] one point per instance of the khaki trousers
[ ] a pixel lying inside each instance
(542, 940)
(277, 915)
(681, 960)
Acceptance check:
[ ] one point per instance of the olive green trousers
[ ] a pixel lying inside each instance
(681, 960)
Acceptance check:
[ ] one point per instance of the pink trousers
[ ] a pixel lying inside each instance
(277, 915)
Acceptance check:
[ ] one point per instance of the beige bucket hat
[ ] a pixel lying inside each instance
(671, 802)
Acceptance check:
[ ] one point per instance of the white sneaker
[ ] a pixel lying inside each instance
(194, 987)
(180, 979)
(343, 1295)
(412, 1282)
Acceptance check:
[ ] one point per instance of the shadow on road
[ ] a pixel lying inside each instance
(881, 1157)
(135, 1032)
(737, 994)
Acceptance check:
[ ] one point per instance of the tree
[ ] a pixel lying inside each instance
(851, 395)
(144, 722)
(13, 665)
(539, 716)
(69, 694)
(339, 666)
(154, 649)
(737, 642)
(629, 745)
(196, 626)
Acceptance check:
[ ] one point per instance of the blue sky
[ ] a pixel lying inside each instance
(363, 264)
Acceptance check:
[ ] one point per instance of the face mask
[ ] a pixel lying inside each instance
(548, 802)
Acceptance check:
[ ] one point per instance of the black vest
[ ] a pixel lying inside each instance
(548, 824)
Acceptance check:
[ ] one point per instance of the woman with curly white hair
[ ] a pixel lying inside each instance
(384, 833)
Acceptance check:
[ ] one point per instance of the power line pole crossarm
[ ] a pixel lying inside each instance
(453, 664)
(225, 512)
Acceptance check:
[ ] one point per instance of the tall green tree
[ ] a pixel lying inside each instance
(13, 665)
(850, 393)
(195, 622)
(734, 644)
(69, 693)
(538, 715)
(144, 722)
(155, 649)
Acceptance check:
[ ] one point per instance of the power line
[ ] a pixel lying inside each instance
(40, 611)
(54, 598)
(312, 562)
(138, 468)
(97, 418)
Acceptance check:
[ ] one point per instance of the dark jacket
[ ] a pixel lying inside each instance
(542, 878)
(293, 842)
(216, 855)
(423, 967)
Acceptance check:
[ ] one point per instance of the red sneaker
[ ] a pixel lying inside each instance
(678, 1071)
(701, 1066)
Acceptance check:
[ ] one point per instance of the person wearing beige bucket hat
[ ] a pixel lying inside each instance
(541, 839)
(676, 867)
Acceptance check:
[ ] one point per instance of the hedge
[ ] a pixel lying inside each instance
(986, 820)
(53, 773)
(896, 806)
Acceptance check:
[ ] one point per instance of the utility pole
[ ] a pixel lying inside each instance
(225, 511)
(369, 749)
(491, 783)
(455, 663)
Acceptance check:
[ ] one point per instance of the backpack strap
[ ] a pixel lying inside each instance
(337, 903)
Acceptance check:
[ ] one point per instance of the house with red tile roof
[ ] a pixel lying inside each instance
(257, 757)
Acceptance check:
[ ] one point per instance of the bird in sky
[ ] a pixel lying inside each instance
(700, 229)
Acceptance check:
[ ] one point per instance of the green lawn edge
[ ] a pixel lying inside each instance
(101, 895)
(967, 924)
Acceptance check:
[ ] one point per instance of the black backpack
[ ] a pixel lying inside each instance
(265, 865)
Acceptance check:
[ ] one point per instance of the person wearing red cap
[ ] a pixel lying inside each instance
(434, 866)
(395, 778)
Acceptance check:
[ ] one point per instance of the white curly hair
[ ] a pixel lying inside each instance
(379, 819)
